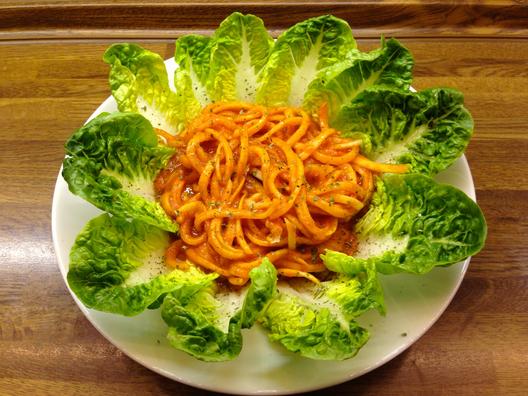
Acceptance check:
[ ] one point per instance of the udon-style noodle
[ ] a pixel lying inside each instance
(249, 182)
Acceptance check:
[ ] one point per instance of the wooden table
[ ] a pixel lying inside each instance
(52, 78)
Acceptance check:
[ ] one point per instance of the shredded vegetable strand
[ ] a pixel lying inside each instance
(249, 182)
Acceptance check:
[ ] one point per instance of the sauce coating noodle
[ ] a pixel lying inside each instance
(249, 181)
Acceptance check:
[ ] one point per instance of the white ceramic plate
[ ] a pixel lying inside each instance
(414, 303)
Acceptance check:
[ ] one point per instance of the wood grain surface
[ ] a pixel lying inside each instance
(50, 85)
(34, 19)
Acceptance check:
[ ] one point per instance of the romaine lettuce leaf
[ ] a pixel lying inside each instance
(413, 224)
(338, 85)
(117, 266)
(112, 162)
(192, 55)
(226, 66)
(428, 130)
(299, 54)
(207, 323)
(355, 294)
(139, 83)
(317, 321)
(311, 332)
(239, 50)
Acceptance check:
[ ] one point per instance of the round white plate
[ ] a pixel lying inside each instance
(414, 303)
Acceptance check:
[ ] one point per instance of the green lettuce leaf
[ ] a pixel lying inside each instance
(317, 321)
(193, 55)
(112, 162)
(139, 83)
(207, 323)
(239, 50)
(117, 266)
(226, 66)
(428, 130)
(338, 85)
(299, 54)
(355, 294)
(413, 224)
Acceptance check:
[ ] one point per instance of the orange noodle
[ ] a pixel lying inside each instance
(249, 182)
